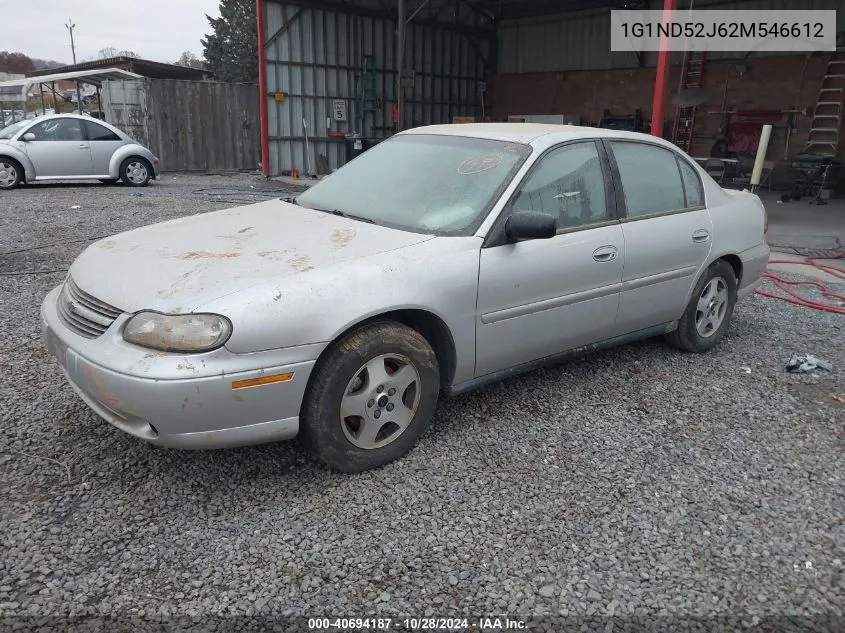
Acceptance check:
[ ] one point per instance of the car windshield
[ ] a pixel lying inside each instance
(437, 184)
(8, 132)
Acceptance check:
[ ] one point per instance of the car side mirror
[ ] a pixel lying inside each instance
(531, 225)
(29, 136)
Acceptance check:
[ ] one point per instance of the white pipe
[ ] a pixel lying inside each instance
(761, 156)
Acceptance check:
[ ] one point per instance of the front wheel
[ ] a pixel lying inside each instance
(370, 398)
(11, 173)
(136, 172)
(709, 310)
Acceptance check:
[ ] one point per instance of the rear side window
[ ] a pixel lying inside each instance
(651, 180)
(97, 132)
(692, 184)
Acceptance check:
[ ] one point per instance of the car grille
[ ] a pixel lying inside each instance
(82, 313)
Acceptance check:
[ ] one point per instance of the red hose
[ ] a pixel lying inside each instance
(797, 299)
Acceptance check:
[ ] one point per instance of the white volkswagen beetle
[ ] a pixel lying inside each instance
(72, 147)
(442, 259)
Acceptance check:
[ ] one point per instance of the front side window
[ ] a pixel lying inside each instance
(58, 130)
(568, 183)
(442, 185)
(97, 132)
(651, 180)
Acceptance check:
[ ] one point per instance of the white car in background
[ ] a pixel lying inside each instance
(72, 147)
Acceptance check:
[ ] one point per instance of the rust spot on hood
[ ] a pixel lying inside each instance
(301, 262)
(342, 237)
(208, 255)
(275, 255)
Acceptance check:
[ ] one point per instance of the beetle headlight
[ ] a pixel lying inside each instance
(178, 332)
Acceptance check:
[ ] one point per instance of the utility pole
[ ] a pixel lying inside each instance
(70, 26)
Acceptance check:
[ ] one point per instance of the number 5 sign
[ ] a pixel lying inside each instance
(339, 109)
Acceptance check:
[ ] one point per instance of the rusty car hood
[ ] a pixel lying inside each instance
(178, 265)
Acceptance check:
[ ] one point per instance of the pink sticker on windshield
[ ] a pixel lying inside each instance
(477, 165)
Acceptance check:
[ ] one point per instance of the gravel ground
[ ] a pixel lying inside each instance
(639, 483)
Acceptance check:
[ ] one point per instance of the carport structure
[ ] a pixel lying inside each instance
(369, 68)
(17, 90)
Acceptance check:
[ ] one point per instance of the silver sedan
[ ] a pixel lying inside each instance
(443, 259)
(72, 147)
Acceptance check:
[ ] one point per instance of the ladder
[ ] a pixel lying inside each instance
(691, 77)
(367, 94)
(823, 139)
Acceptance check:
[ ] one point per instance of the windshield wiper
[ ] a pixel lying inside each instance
(344, 214)
(291, 200)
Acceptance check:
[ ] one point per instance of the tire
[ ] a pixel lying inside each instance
(329, 429)
(136, 172)
(11, 173)
(697, 330)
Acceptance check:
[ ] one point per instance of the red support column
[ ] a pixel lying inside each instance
(662, 79)
(262, 89)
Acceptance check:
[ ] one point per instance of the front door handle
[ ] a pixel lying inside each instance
(701, 235)
(605, 254)
(83, 146)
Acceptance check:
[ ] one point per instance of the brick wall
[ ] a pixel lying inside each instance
(769, 83)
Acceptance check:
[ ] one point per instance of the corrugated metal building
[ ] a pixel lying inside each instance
(331, 70)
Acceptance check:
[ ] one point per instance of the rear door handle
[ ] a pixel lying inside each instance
(605, 253)
(701, 235)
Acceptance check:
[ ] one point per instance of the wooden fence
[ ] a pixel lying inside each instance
(189, 125)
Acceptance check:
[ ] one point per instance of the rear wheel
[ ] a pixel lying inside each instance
(11, 173)
(370, 398)
(709, 311)
(136, 172)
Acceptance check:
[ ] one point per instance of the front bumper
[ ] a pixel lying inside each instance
(179, 400)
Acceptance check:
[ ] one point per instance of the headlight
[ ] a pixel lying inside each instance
(177, 332)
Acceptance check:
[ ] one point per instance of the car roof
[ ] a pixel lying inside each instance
(527, 132)
(44, 117)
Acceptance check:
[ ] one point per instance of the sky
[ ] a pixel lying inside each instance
(159, 30)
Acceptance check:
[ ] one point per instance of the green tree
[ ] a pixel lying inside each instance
(231, 49)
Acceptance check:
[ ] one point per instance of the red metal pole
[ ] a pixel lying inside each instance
(262, 89)
(662, 79)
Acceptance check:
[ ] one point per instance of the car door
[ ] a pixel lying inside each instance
(104, 144)
(667, 231)
(60, 149)
(541, 297)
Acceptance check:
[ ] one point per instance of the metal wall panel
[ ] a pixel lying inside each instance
(581, 40)
(315, 57)
(569, 41)
(189, 125)
(125, 106)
